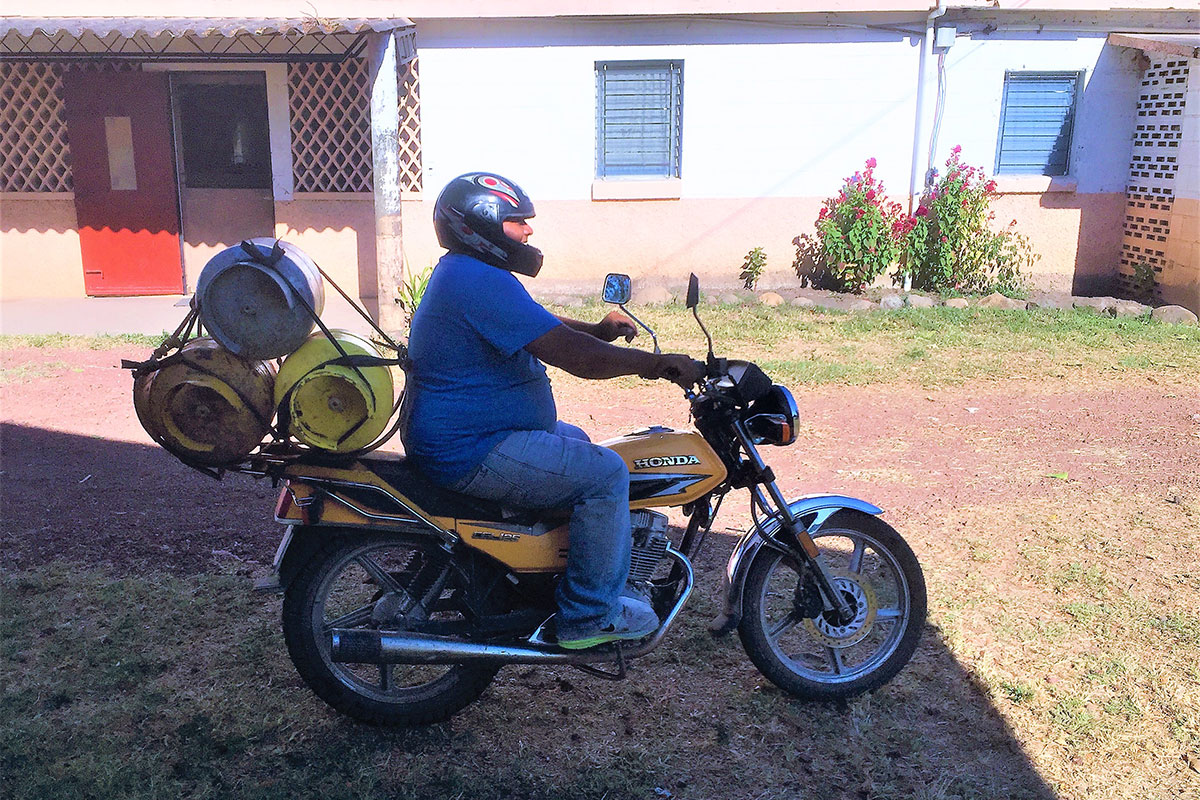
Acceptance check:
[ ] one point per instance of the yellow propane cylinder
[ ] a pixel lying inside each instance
(334, 408)
(207, 406)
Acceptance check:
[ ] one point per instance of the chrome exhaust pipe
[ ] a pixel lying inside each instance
(358, 646)
(377, 647)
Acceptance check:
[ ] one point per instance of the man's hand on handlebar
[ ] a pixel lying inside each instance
(615, 325)
(681, 369)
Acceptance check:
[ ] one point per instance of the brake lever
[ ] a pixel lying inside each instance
(716, 367)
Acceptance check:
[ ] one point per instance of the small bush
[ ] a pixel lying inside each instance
(951, 246)
(859, 234)
(752, 267)
(412, 291)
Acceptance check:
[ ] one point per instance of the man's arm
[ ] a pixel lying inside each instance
(586, 356)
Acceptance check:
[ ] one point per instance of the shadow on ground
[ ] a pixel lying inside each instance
(694, 719)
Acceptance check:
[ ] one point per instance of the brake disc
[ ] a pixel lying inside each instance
(859, 593)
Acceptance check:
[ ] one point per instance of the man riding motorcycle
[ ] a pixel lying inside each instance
(483, 419)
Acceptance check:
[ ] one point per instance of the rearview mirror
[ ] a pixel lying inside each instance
(616, 288)
(693, 294)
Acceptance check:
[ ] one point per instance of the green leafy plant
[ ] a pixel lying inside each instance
(752, 267)
(859, 234)
(950, 242)
(1143, 281)
(411, 291)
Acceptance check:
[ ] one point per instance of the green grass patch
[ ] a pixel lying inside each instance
(68, 341)
(164, 686)
(1182, 626)
(1073, 716)
(1016, 691)
(934, 346)
(23, 373)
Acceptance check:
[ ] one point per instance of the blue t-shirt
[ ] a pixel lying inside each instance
(472, 381)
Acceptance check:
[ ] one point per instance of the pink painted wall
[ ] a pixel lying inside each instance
(583, 240)
(1180, 281)
(1078, 237)
(337, 231)
(39, 247)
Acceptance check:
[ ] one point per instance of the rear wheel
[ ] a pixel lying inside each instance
(809, 652)
(365, 581)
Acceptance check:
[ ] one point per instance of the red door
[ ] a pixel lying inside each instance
(123, 170)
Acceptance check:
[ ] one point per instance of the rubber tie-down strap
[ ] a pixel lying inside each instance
(267, 261)
(355, 362)
(174, 341)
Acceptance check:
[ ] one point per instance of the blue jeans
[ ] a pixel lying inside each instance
(536, 469)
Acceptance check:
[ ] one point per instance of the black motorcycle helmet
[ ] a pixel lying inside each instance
(469, 218)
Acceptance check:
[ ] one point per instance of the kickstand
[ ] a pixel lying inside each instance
(600, 673)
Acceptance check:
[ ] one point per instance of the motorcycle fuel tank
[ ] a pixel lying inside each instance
(667, 467)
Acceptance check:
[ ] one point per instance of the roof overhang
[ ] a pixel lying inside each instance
(194, 38)
(1172, 44)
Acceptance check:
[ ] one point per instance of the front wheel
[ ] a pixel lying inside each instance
(808, 652)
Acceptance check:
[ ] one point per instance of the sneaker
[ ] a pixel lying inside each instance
(636, 620)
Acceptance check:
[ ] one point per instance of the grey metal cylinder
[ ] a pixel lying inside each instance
(258, 310)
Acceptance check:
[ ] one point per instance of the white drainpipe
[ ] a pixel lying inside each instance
(919, 134)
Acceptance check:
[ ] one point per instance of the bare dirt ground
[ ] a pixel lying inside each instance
(919, 453)
(974, 477)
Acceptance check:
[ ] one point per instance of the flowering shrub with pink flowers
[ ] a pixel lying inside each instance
(947, 244)
(951, 245)
(860, 233)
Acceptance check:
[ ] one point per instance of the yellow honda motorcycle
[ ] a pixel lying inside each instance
(402, 600)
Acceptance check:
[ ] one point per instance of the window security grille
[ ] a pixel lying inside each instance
(639, 119)
(33, 133)
(1037, 120)
(330, 107)
(1150, 192)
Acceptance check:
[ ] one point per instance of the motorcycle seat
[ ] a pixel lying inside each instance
(435, 500)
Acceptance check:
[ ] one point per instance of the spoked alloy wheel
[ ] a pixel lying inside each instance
(823, 657)
(357, 581)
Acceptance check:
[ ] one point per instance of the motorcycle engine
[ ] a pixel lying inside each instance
(649, 544)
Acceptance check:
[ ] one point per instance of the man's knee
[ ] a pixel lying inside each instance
(611, 472)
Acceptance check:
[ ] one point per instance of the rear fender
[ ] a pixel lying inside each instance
(299, 545)
(817, 507)
(297, 548)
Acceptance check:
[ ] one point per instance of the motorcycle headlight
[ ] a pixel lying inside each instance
(773, 418)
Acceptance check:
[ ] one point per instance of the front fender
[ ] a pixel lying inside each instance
(819, 506)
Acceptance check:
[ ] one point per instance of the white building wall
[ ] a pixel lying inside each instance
(766, 112)
(774, 118)
(1105, 112)
(767, 115)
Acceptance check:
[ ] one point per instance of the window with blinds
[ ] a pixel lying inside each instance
(1037, 120)
(639, 118)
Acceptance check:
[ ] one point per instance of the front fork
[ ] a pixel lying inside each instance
(791, 536)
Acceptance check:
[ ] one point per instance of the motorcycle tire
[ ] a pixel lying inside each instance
(339, 585)
(814, 657)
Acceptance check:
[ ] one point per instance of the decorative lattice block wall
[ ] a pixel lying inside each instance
(1150, 192)
(410, 128)
(33, 132)
(330, 107)
(331, 126)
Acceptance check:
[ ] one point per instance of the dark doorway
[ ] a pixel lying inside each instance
(224, 163)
